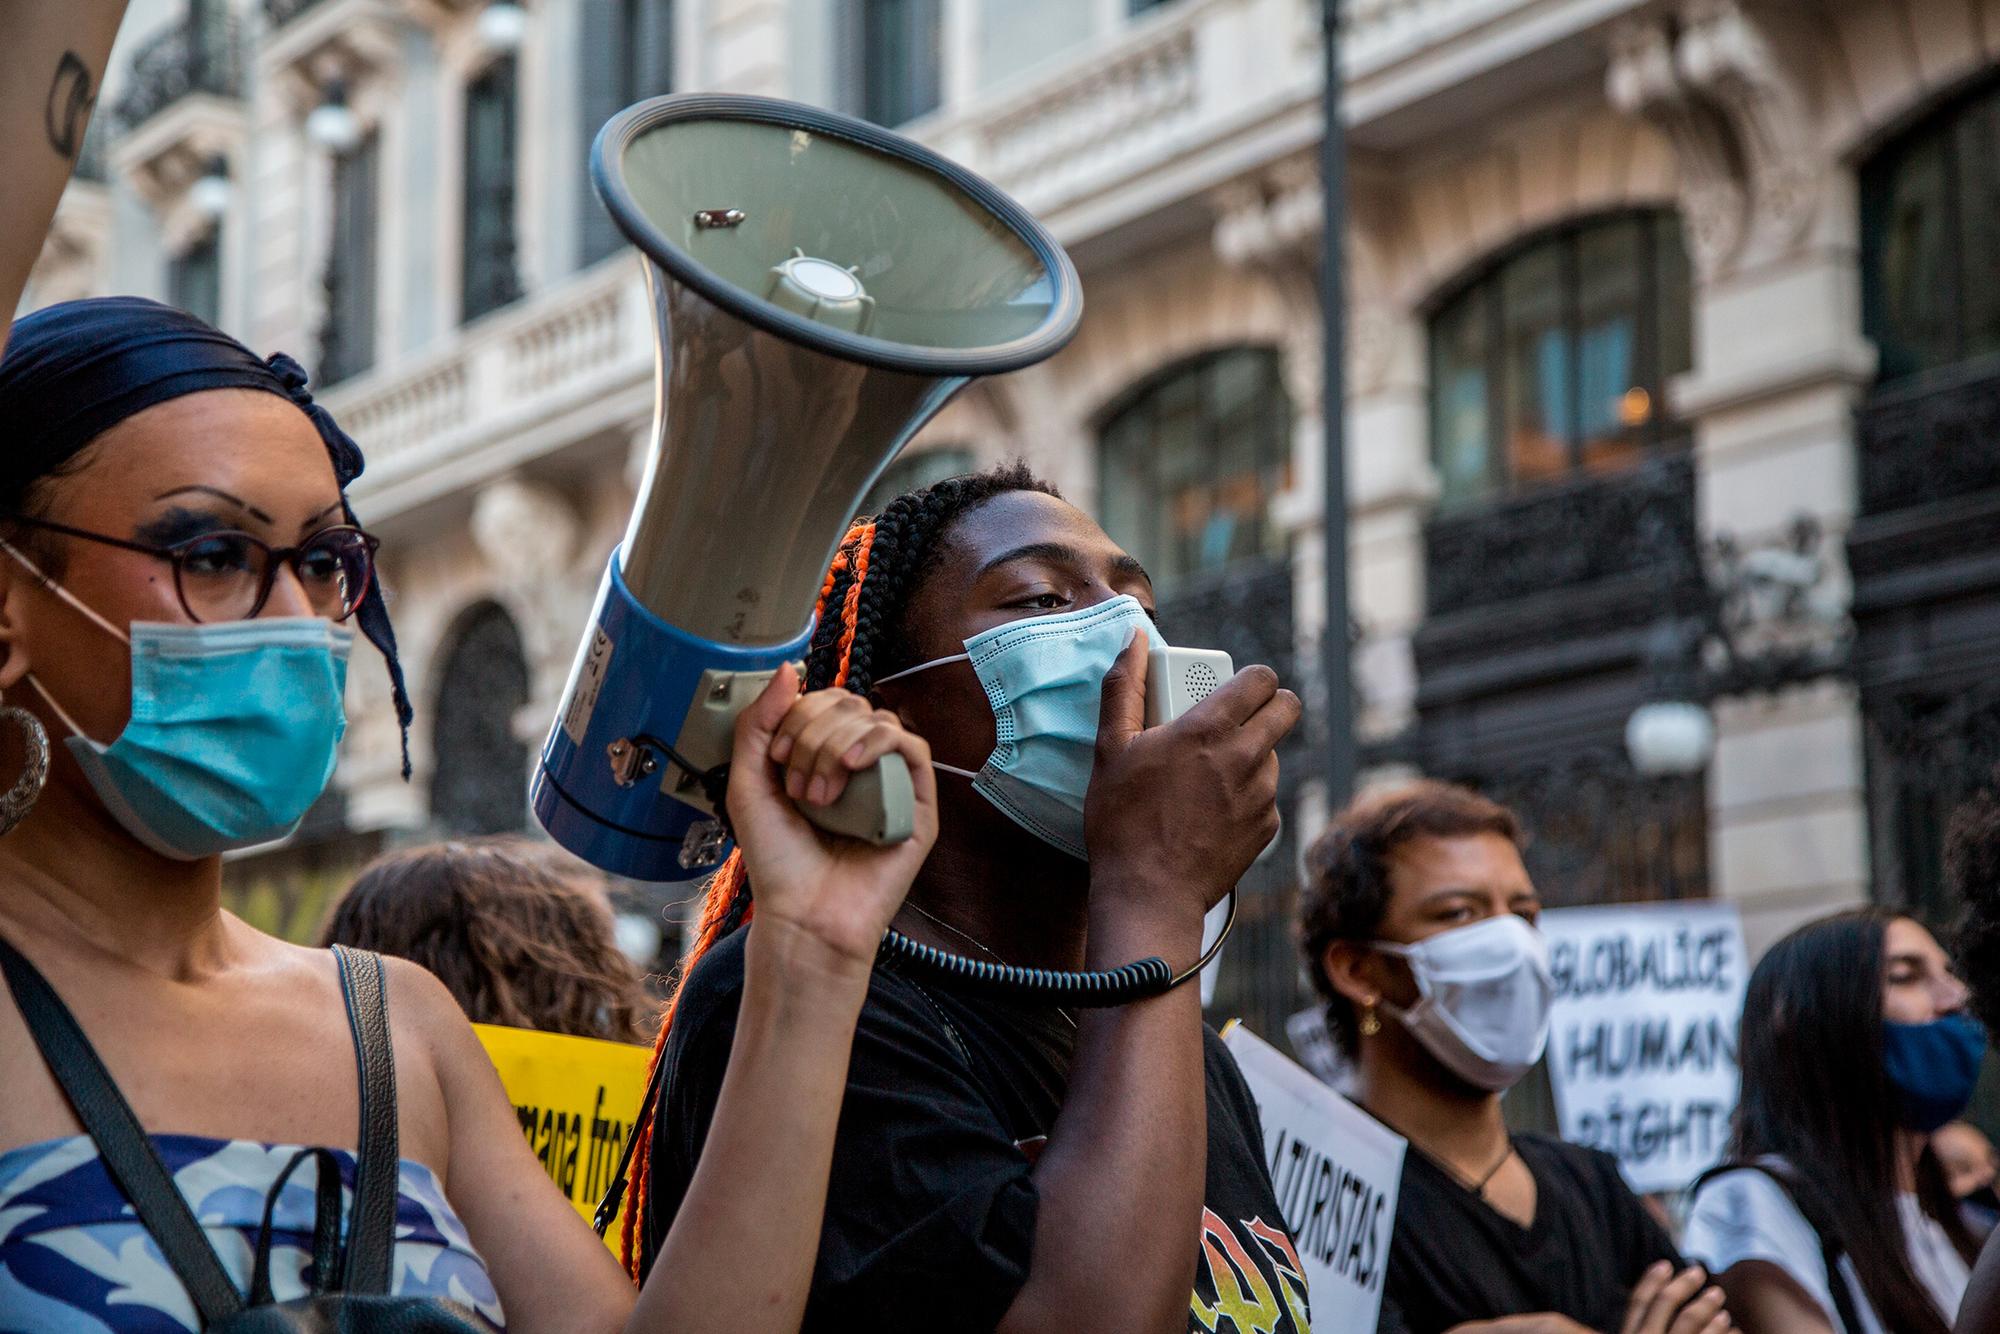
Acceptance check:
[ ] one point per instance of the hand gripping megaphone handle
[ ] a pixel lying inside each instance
(877, 806)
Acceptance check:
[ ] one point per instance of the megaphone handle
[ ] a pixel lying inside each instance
(878, 805)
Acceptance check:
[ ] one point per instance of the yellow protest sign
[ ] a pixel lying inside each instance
(576, 1099)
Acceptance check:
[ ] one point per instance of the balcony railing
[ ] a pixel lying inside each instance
(277, 13)
(1931, 439)
(1202, 73)
(199, 54)
(564, 351)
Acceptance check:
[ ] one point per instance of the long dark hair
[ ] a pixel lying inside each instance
(1816, 1092)
(862, 633)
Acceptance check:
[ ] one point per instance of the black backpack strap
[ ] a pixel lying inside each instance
(326, 1226)
(371, 1234)
(127, 1153)
(1829, 1245)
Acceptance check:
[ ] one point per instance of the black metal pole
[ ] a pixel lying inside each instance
(1336, 655)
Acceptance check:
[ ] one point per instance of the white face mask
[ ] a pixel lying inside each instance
(1485, 992)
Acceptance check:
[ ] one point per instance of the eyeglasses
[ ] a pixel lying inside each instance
(227, 576)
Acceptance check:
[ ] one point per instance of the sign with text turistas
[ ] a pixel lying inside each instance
(576, 1099)
(1337, 1172)
(1642, 1039)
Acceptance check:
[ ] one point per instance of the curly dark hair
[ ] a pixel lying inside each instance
(519, 931)
(1347, 871)
(1972, 875)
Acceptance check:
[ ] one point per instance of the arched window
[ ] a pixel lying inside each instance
(480, 784)
(1189, 463)
(1930, 238)
(1554, 359)
(916, 469)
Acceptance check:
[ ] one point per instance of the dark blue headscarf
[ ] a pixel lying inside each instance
(73, 371)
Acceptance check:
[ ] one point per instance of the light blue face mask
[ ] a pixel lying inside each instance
(1044, 677)
(234, 729)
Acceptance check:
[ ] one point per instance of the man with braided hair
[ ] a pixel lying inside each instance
(1005, 1165)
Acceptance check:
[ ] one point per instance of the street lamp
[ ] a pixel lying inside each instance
(1670, 738)
(333, 125)
(210, 194)
(502, 26)
(1762, 623)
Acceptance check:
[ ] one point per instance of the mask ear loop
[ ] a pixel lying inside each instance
(61, 713)
(921, 667)
(72, 599)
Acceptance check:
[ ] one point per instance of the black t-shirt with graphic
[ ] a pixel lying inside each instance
(1455, 1258)
(930, 1216)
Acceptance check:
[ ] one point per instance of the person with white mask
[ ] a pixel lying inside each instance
(1419, 930)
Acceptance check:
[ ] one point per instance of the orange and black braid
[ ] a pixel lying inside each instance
(867, 586)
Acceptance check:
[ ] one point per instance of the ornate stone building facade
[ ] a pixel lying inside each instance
(1671, 369)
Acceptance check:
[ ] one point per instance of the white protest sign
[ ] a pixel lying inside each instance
(1642, 1041)
(1337, 1171)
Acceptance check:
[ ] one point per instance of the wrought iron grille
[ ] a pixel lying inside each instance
(199, 54)
(1932, 438)
(1928, 750)
(277, 13)
(1247, 610)
(1636, 523)
(1599, 832)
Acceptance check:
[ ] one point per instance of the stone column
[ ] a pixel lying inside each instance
(1272, 227)
(1779, 366)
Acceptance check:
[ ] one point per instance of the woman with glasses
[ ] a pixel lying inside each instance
(179, 569)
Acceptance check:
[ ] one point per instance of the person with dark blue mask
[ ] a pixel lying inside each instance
(1832, 1214)
(179, 568)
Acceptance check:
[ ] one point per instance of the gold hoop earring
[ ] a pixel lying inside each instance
(20, 798)
(1370, 1025)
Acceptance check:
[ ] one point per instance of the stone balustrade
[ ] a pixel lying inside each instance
(562, 352)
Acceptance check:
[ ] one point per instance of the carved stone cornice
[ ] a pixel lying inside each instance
(1271, 222)
(1716, 82)
(355, 41)
(166, 155)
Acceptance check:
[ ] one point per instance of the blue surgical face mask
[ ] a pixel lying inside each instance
(1044, 677)
(233, 733)
(1933, 1068)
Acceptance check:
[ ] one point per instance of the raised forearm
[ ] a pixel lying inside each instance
(754, 1207)
(1127, 1160)
(55, 64)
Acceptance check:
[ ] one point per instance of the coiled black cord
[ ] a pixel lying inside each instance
(1098, 987)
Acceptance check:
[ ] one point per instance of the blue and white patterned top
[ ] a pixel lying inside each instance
(74, 1257)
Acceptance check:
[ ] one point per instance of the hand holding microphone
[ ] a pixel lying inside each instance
(1177, 813)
